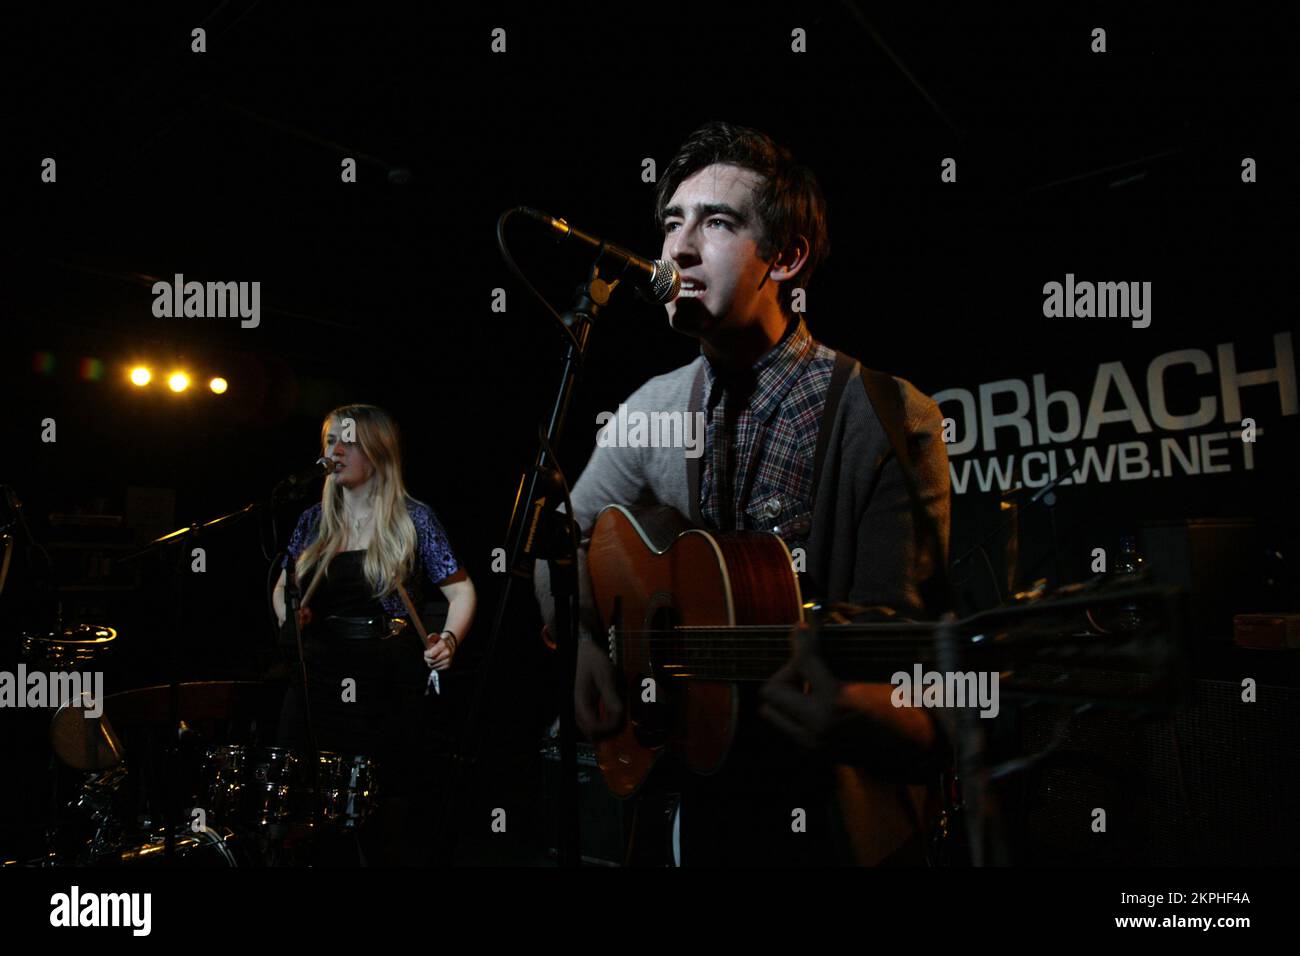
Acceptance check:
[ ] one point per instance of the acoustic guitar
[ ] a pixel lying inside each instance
(689, 614)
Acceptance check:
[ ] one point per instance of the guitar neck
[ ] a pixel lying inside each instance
(853, 652)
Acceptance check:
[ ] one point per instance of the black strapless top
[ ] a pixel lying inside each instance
(344, 591)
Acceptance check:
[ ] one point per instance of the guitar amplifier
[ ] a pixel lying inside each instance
(603, 818)
(1211, 784)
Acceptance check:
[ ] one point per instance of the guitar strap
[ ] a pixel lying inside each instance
(883, 394)
(840, 375)
(693, 464)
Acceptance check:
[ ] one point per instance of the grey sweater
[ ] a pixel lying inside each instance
(863, 547)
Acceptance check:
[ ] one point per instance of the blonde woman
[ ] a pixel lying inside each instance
(355, 551)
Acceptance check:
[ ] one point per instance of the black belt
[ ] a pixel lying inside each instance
(335, 628)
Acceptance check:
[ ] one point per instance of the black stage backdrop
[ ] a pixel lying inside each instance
(225, 165)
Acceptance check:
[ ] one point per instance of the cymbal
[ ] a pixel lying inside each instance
(83, 742)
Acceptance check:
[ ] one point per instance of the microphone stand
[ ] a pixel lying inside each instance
(183, 537)
(537, 530)
(1046, 495)
(291, 605)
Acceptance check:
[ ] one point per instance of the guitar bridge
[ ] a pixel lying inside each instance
(616, 621)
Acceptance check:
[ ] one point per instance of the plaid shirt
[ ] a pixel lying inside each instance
(761, 439)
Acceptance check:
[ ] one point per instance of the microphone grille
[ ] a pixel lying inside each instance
(666, 282)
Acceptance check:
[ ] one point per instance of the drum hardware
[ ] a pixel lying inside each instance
(205, 846)
(348, 789)
(96, 802)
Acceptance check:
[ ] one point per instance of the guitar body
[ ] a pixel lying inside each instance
(651, 572)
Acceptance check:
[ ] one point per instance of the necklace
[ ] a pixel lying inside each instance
(358, 521)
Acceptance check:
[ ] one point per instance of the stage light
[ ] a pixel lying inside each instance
(218, 385)
(141, 375)
(178, 381)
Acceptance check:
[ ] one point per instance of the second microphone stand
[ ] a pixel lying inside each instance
(538, 531)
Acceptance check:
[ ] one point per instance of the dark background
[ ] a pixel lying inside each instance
(225, 166)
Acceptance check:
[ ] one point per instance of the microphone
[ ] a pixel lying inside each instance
(659, 276)
(323, 466)
(1046, 492)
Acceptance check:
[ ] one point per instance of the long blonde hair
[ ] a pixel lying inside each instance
(391, 555)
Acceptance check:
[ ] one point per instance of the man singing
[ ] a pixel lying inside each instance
(746, 227)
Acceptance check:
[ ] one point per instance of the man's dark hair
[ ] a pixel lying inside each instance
(788, 201)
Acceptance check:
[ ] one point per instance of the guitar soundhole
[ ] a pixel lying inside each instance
(651, 687)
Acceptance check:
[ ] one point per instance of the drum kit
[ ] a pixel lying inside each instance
(242, 804)
(177, 774)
